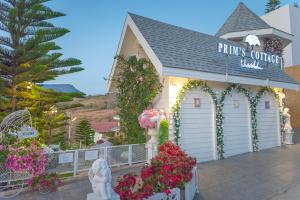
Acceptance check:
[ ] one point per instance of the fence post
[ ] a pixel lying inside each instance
(75, 167)
(130, 155)
(105, 153)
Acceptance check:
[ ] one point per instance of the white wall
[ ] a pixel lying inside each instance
(287, 19)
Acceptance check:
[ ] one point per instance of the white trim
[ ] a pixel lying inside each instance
(268, 31)
(146, 47)
(214, 132)
(278, 121)
(177, 72)
(250, 126)
(118, 52)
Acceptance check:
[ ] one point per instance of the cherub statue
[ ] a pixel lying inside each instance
(100, 178)
(288, 135)
(287, 119)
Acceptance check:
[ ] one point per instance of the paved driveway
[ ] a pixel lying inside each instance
(255, 176)
(269, 174)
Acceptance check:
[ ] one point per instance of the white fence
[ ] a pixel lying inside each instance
(75, 161)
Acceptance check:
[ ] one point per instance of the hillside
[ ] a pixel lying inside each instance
(95, 109)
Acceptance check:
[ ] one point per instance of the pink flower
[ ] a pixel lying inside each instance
(148, 119)
(1, 147)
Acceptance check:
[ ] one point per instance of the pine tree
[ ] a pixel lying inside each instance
(272, 5)
(28, 53)
(60, 139)
(84, 133)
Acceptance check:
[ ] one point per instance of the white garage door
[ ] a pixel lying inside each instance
(196, 125)
(237, 136)
(268, 128)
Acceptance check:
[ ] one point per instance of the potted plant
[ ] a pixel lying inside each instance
(170, 169)
(149, 120)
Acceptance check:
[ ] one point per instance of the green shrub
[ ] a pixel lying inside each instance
(163, 134)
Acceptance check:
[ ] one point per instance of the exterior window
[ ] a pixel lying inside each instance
(267, 105)
(197, 102)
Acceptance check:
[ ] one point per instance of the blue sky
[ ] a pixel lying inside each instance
(96, 27)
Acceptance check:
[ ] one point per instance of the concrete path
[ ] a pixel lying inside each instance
(262, 175)
(272, 174)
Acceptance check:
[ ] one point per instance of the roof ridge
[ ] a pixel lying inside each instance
(182, 28)
(242, 19)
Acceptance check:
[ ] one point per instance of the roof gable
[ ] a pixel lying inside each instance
(242, 19)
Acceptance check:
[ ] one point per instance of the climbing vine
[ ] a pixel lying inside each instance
(219, 105)
(248, 94)
(191, 84)
(138, 84)
(256, 100)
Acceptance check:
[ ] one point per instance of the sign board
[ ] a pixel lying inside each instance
(255, 57)
(27, 132)
(91, 155)
(65, 158)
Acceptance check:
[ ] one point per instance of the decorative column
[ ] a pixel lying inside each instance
(151, 145)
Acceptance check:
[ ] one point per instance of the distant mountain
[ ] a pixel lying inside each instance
(64, 88)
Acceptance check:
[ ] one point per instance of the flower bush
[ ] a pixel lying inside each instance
(148, 119)
(45, 183)
(30, 159)
(171, 168)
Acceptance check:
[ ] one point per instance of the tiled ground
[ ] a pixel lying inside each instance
(254, 176)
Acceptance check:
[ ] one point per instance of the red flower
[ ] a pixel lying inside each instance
(171, 168)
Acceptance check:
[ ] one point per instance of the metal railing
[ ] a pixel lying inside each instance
(74, 161)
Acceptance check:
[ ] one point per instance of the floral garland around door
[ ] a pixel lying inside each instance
(191, 84)
(248, 94)
(219, 104)
(258, 97)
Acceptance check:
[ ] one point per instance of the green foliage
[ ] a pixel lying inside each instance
(219, 104)
(137, 84)
(117, 140)
(84, 133)
(163, 134)
(60, 139)
(28, 53)
(272, 5)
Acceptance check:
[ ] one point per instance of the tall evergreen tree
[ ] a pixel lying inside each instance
(28, 53)
(84, 133)
(272, 5)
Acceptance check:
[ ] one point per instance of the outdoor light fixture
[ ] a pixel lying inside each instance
(197, 102)
(267, 105)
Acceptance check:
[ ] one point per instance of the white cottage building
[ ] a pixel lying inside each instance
(222, 92)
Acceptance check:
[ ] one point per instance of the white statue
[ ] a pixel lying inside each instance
(100, 178)
(288, 130)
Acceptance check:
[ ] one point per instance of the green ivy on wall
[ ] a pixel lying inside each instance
(219, 105)
(138, 84)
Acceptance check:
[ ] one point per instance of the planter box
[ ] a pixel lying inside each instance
(191, 188)
(175, 195)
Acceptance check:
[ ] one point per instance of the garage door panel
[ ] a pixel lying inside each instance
(267, 123)
(236, 124)
(196, 126)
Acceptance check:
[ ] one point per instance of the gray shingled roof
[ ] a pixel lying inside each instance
(181, 48)
(242, 19)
